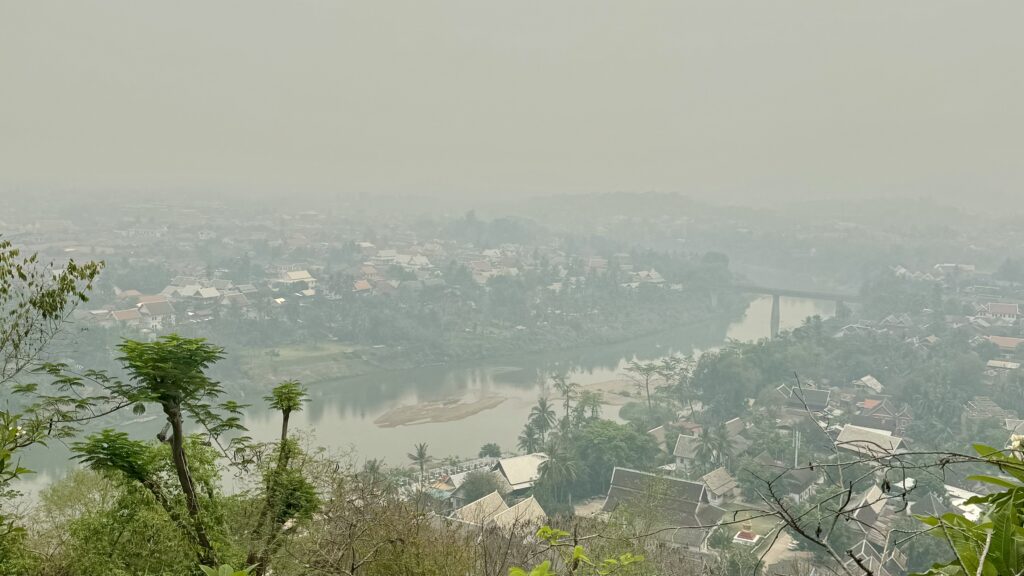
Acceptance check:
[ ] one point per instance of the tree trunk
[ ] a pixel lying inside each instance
(261, 549)
(188, 487)
(284, 426)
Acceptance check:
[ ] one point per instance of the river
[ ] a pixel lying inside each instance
(341, 414)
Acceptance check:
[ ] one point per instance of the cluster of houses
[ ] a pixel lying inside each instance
(419, 264)
(873, 426)
(683, 507)
(191, 299)
(510, 507)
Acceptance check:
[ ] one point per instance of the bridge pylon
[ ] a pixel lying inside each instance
(776, 315)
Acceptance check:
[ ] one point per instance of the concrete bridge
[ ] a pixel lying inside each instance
(840, 298)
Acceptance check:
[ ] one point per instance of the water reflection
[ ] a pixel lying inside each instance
(341, 414)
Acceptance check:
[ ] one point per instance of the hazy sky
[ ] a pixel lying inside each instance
(713, 99)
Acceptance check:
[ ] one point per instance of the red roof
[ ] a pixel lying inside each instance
(746, 535)
(1006, 342)
(871, 403)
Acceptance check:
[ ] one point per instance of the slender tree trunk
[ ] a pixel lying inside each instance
(285, 415)
(260, 548)
(206, 554)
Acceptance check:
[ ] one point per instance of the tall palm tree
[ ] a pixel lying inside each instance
(529, 439)
(558, 472)
(542, 416)
(420, 457)
(372, 468)
(588, 407)
(723, 445)
(708, 448)
(568, 390)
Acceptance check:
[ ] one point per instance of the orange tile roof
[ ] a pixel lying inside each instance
(871, 403)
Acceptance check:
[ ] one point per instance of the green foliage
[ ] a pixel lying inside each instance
(293, 495)
(490, 450)
(172, 371)
(93, 525)
(287, 397)
(477, 485)
(420, 457)
(994, 544)
(575, 559)
(600, 445)
(557, 474)
(110, 451)
(542, 417)
(226, 570)
(529, 440)
(35, 301)
(647, 418)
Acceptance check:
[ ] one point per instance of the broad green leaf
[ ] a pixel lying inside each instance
(994, 480)
(1004, 545)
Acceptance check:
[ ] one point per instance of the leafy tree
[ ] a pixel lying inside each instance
(600, 445)
(478, 484)
(286, 398)
(644, 376)
(644, 418)
(574, 559)
(288, 495)
(36, 300)
(490, 450)
(171, 372)
(146, 504)
(991, 544)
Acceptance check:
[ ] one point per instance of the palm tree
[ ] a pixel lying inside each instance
(372, 468)
(542, 416)
(529, 439)
(708, 448)
(723, 445)
(558, 472)
(588, 407)
(420, 457)
(568, 390)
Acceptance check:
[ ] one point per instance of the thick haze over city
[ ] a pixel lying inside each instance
(475, 288)
(741, 101)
